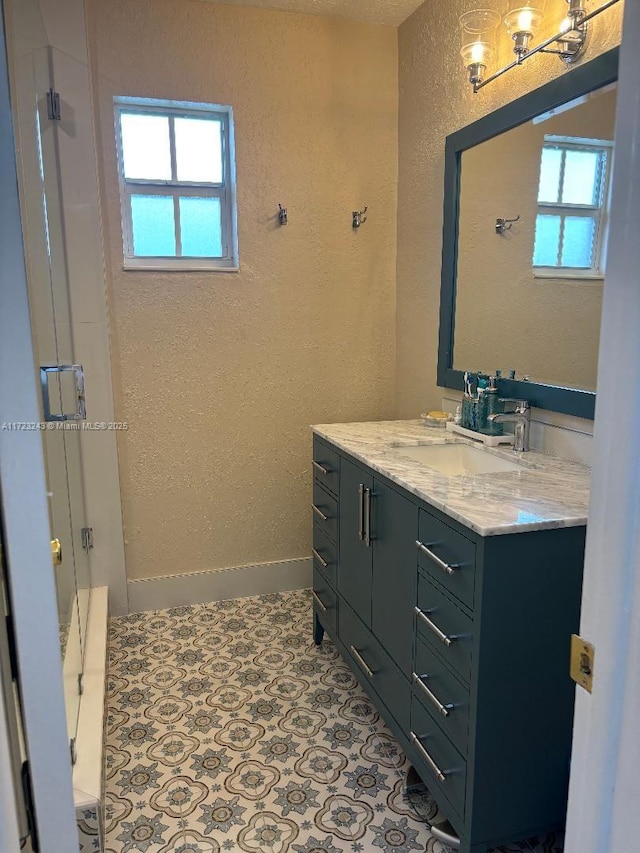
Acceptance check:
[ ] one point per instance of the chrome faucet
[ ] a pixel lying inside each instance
(521, 418)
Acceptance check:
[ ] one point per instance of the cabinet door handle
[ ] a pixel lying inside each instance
(316, 598)
(319, 513)
(449, 568)
(368, 495)
(415, 740)
(361, 662)
(443, 709)
(444, 638)
(322, 562)
(361, 511)
(321, 469)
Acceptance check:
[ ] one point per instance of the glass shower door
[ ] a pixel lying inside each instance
(63, 376)
(37, 130)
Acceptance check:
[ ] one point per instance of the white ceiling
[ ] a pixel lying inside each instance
(392, 12)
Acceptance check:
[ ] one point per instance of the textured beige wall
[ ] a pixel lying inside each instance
(547, 328)
(436, 100)
(220, 375)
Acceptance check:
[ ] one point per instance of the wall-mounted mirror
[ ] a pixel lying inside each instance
(527, 296)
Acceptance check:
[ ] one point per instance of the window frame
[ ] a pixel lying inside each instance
(598, 212)
(225, 190)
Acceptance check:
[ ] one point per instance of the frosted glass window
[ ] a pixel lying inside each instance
(547, 244)
(177, 184)
(199, 150)
(201, 227)
(154, 230)
(577, 244)
(146, 149)
(550, 171)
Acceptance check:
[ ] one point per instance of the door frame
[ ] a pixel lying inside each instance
(26, 523)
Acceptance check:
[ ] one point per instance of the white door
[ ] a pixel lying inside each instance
(604, 792)
(25, 522)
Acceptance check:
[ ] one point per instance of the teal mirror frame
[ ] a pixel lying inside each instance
(593, 75)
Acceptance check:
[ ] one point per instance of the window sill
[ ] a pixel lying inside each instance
(568, 275)
(182, 265)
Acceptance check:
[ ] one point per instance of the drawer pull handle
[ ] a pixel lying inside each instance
(361, 511)
(443, 709)
(316, 598)
(321, 469)
(446, 567)
(415, 740)
(322, 562)
(361, 662)
(319, 513)
(444, 638)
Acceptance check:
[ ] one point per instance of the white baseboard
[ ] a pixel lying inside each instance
(219, 584)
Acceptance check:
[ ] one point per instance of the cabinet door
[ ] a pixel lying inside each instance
(354, 569)
(394, 574)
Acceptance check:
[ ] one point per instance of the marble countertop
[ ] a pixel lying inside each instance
(546, 492)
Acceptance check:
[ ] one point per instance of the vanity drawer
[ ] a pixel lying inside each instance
(325, 555)
(447, 556)
(325, 512)
(375, 666)
(325, 601)
(442, 694)
(444, 626)
(326, 466)
(438, 762)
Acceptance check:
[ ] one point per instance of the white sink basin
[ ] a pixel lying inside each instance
(456, 460)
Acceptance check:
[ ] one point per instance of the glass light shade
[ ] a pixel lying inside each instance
(477, 52)
(524, 18)
(478, 41)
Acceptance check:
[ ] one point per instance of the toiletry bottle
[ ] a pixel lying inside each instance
(467, 400)
(479, 411)
(493, 407)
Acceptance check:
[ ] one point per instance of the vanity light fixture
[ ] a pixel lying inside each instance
(522, 22)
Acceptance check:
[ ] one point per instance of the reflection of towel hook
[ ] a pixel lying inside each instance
(359, 217)
(283, 216)
(502, 226)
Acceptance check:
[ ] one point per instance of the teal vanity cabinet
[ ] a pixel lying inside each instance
(462, 641)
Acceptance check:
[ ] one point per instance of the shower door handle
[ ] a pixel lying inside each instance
(80, 413)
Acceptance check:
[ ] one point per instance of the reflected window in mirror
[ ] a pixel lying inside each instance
(571, 226)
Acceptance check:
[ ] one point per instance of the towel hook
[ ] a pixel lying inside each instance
(283, 216)
(503, 225)
(359, 217)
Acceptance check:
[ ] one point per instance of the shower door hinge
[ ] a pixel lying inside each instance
(27, 795)
(80, 684)
(53, 106)
(73, 751)
(87, 538)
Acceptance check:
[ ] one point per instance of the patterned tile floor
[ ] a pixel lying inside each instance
(228, 730)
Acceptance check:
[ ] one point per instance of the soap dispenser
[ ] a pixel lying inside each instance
(492, 406)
